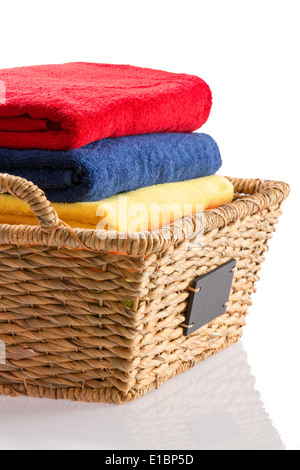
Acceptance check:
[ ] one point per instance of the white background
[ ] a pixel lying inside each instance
(248, 52)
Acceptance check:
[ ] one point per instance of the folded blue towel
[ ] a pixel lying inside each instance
(110, 166)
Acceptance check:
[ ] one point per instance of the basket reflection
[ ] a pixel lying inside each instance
(212, 406)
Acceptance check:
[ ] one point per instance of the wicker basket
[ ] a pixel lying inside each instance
(85, 316)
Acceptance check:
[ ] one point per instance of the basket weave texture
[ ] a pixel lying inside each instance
(85, 316)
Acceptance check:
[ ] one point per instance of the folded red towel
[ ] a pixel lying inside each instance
(60, 107)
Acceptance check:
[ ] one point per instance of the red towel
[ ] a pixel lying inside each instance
(61, 107)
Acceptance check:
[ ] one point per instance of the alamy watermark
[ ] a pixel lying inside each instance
(125, 220)
(2, 353)
(2, 92)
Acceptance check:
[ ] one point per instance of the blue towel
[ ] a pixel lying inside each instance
(111, 166)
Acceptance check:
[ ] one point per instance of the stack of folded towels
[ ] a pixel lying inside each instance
(88, 133)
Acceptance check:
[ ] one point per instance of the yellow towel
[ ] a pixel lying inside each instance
(144, 209)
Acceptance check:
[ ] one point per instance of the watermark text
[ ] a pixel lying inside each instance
(2, 353)
(2, 92)
(123, 220)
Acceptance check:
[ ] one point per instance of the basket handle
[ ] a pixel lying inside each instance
(34, 196)
(256, 186)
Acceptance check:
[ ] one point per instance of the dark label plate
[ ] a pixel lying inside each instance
(208, 303)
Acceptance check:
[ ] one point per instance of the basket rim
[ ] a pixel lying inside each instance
(251, 196)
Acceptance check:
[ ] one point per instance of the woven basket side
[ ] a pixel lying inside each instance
(69, 335)
(163, 348)
(67, 320)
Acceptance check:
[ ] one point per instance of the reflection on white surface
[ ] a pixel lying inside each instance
(212, 406)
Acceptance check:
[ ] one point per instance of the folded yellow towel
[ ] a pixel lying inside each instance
(144, 209)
